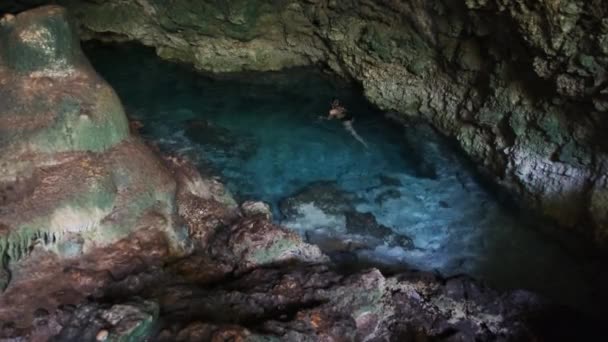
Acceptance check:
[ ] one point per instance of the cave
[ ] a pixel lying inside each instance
(408, 170)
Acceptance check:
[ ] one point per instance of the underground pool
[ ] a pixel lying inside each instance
(407, 198)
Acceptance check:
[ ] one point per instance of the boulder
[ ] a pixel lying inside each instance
(253, 208)
(256, 242)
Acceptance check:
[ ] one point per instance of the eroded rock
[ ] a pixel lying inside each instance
(74, 172)
(254, 242)
(252, 208)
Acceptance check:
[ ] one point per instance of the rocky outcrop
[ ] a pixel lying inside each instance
(314, 303)
(72, 179)
(521, 85)
(75, 185)
(292, 303)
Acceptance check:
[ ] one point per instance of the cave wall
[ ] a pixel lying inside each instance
(521, 85)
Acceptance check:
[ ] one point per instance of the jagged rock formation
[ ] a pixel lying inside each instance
(520, 84)
(103, 239)
(314, 303)
(71, 177)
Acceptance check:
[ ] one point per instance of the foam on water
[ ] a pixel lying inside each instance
(261, 133)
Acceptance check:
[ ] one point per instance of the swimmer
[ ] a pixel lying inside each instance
(339, 112)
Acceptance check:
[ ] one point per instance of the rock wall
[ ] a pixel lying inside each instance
(521, 85)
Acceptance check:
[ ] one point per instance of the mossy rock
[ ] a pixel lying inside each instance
(52, 100)
(39, 39)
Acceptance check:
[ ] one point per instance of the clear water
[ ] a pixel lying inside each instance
(266, 142)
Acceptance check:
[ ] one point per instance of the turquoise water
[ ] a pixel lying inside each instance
(261, 134)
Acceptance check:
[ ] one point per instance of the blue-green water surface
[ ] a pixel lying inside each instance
(262, 135)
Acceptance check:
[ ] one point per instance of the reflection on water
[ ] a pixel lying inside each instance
(407, 199)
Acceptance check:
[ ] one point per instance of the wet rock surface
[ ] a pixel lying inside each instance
(72, 178)
(252, 208)
(520, 85)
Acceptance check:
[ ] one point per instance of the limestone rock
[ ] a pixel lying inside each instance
(252, 208)
(255, 242)
(306, 303)
(71, 176)
(5, 277)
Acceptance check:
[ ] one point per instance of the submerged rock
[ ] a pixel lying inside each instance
(326, 215)
(325, 195)
(365, 224)
(206, 133)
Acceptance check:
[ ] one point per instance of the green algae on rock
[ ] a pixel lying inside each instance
(35, 44)
(53, 101)
(71, 177)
